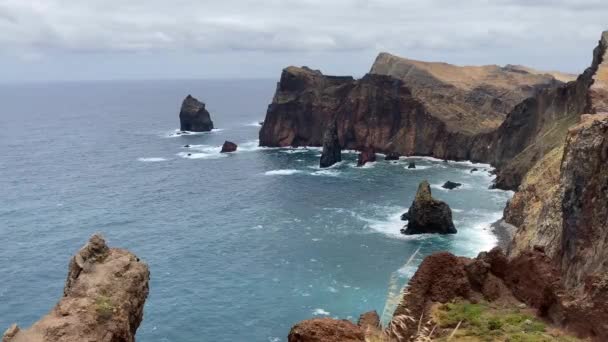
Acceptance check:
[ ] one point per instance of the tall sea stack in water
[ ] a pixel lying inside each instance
(332, 153)
(194, 117)
(428, 215)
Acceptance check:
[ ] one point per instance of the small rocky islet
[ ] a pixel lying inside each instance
(428, 215)
(548, 139)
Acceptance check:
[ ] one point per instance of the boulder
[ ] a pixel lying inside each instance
(411, 165)
(367, 155)
(474, 170)
(428, 215)
(103, 299)
(228, 147)
(392, 156)
(451, 185)
(194, 117)
(332, 152)
(326, 330)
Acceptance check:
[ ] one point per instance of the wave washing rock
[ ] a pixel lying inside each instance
(194, 117)
(367, 155)
(451, 185)
(228, 147)
(428, 215)
(103, 299)
(332, 152)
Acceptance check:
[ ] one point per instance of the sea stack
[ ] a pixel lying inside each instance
(228, 147)
(194, 117)
(428, 215)
(103, 299)
(332, 152)
(367, 155)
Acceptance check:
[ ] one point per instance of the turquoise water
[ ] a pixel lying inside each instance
(240, 246)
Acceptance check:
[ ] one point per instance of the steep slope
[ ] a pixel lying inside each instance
(469, 99)
(539, 124)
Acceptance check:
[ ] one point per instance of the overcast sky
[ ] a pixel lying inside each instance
(159, 39)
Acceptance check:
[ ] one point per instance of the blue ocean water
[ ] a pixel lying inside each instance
(240, 246)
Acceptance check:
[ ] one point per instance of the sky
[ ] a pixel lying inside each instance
(46, 40)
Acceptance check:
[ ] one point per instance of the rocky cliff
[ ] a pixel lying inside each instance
(103, 299)
(556, 145)
(507, 116)
(469, 99)
(376, 111)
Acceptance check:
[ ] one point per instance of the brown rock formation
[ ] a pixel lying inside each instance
(367, 155)
(332, 151)
(326, 330)
(417, 108)
(376, 111)
(228, 147)
(103, 299)
(470, 99)
(194, 117)
(428, 215)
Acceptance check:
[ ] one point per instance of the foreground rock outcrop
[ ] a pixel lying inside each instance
(103, 299)
(194, 117)
(332, 152)
(428, 215)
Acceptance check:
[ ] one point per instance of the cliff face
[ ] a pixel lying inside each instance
(103, 299)
(469, 99)
(539, 124)
(376, 111)
(508, 116)
(584, 182)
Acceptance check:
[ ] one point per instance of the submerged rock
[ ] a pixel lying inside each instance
(451, 185)
(474, 170)
(392, 156)
(194, 117)
(428, 215)
(411, 165)
(228, 147)
(332, 152)
(368, 155)
(103, 299)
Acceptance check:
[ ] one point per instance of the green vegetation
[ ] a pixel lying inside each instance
(104, 307)
(485, 322)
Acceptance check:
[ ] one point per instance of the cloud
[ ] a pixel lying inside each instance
(290, 25)
(86, 38)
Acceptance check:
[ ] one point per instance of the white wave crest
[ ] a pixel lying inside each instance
(320, 312)
(284, 172)
(151, 159)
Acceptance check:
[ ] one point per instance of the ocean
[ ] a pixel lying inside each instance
(240, 246)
